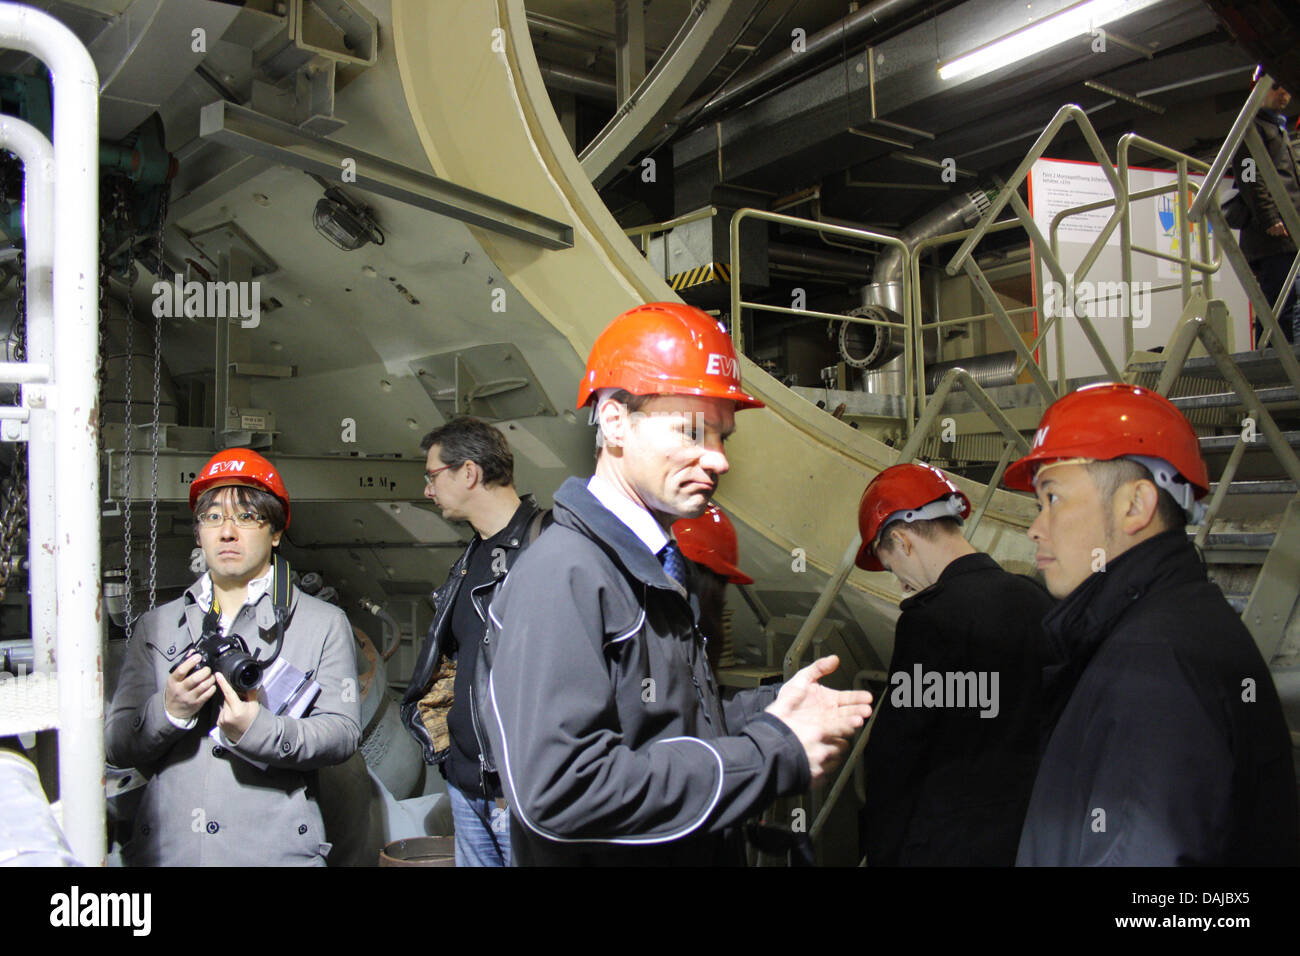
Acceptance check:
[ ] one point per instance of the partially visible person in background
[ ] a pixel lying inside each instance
(1265, 242)
(709, 542)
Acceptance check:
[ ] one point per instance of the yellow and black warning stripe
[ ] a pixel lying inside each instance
(709, 272)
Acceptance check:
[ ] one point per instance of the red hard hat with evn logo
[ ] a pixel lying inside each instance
(240, 466)
(904, 492)
(1109, 420)
(665, 348)
(710, 540)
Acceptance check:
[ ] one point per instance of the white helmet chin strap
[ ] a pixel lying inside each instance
(1166, 477)
(947, 507)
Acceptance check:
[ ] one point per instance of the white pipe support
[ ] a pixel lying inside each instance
(24, 373)
(76, 486)
(30, 145)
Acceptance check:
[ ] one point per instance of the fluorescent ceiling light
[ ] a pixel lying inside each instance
(1075, 21)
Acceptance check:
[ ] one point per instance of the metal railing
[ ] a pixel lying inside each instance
(62, 314)
(643, 234)
(1195, 204)
(738, 305)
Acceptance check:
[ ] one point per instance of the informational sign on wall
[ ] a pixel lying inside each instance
(1155, 298)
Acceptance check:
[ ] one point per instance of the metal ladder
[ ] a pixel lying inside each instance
(58, 417)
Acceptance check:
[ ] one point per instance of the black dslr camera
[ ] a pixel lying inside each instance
(227, 656)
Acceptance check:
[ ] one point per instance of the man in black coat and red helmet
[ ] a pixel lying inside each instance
(1167, 743)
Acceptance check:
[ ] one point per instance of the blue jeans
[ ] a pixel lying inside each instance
(1271, 272)
(482, 830)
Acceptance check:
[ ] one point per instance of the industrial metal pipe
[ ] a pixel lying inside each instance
(37, 155)
(573, 80)
(840, 263)
(29, 834)
(76, 485)
(959, 212)
(997, 368)
(880, 14)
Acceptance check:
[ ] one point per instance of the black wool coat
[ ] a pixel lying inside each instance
(946, 786)
(1170, 747)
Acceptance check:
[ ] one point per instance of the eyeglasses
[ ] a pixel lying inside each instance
(247, 520)
(430, 475)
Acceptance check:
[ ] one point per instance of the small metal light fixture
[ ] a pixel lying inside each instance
(344, 221)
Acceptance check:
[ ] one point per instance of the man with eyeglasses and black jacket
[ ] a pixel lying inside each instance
(470, 477)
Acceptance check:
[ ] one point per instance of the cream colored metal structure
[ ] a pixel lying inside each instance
(797, 473)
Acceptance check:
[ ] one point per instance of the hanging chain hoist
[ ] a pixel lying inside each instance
(128, 588)
(13, 490)
(157, 403)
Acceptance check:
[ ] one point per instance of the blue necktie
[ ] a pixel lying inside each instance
(674, 563)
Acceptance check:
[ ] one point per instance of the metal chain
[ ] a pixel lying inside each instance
(157, 386)
(13, 493)
(20, 309)
(129, 429)
(13, 517)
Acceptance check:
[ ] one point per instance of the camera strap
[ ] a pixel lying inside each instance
(281, 583)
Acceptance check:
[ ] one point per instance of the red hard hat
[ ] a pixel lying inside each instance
(1109, 420)
(906, 489)
(710, 540)
(665, 348)
(240, 466)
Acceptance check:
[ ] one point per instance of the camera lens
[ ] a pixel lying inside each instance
(243, 673)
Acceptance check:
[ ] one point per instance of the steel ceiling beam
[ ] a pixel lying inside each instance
(258, 135)
(704, 38)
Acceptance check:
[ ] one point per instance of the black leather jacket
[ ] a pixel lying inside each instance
(431, 667)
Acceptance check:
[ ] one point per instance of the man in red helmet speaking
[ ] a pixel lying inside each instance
(233, 694)
(605, 724)
(1167, 741)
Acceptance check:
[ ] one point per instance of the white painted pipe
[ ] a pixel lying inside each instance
(30, 145)
(17, 413)
(29, 833)
(75, 405)
(14, 373)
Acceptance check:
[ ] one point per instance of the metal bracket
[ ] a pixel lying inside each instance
(1274, 596)
(493, 382)
(244, 129)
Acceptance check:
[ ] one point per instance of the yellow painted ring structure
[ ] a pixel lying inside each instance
(478, 103)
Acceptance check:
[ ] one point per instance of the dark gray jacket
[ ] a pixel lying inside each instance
(433, 677)
(613, 745)
(1256, 243)
(208, 806)
(1171, 747)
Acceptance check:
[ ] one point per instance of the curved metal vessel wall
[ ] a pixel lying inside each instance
(481, 110)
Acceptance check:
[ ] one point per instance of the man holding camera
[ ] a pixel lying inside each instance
(232, 768)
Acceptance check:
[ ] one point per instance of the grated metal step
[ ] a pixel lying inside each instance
(1236, 547)
(1258, 487)
(1257, 367)
(1238, 602)
(1269, 396)
(28, 703)
(1225, 443)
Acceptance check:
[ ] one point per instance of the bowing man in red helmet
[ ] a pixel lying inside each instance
(232, 781)
(606, 726)
(1168, 745)
(952, 753)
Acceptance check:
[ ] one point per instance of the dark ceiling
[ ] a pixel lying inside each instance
(1168, 72)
